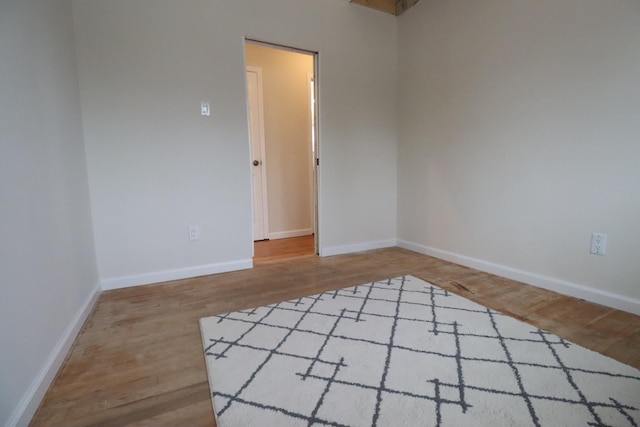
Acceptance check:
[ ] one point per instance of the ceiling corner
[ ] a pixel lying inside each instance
(393, 7)
(404, 5)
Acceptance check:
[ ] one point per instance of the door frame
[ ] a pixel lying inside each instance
(315, 165)
(313, 124)
(265, 202)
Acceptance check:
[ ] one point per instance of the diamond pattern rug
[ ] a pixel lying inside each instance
(402, 352)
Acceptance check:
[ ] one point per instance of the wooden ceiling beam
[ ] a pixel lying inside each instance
(394, 7)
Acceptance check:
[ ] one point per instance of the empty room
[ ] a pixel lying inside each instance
(466, 251)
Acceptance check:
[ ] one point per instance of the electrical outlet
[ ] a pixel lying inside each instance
(598, 243)
(194, 232)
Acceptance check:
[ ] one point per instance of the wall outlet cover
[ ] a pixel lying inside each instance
(194, 232)
(598, 243)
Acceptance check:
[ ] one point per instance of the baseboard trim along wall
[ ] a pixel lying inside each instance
(597, 296)
(357, 247)
(290, 233)
(176, 274)
(29, 403)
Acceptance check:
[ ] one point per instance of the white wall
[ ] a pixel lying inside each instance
(48, 276)
(287, 128)
(519, 137)
(156, 166)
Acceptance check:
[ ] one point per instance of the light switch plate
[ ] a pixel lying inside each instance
(205, 109)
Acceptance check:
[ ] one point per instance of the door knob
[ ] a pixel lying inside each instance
(256, 162)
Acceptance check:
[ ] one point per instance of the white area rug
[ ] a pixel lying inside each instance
(403, 352)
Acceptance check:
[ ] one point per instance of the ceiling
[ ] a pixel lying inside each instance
(394, 7)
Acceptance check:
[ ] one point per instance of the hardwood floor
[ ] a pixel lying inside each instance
(139, 360)
(279, 249)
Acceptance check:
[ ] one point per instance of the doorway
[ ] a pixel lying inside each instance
(281, 96)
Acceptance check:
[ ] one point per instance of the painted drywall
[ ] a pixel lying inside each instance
(287, 129)
(48, 270)
(519, 137)
(156, 166)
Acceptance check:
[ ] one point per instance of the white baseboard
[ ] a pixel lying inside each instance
(29, 403)
(290, 233)
(357, 247)
(176, 274)
(609, 299)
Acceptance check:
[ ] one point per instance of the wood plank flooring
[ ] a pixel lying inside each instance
(139, 360)
(272, 250)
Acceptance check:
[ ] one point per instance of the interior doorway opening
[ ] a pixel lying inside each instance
(282, 92)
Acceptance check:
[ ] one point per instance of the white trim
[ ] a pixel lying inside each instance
(175, 274)
(290, 233)
(310, 146)
(357, 247)
(316, 161)
(29, 403)
(598, 296)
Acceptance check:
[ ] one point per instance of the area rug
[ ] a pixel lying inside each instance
(402, 352)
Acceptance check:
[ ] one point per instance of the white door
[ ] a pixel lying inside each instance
(258, 167)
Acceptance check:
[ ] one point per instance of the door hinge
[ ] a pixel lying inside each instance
(317, 161)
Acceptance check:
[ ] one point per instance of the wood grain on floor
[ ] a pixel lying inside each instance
(139, 360)
(275, 250)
